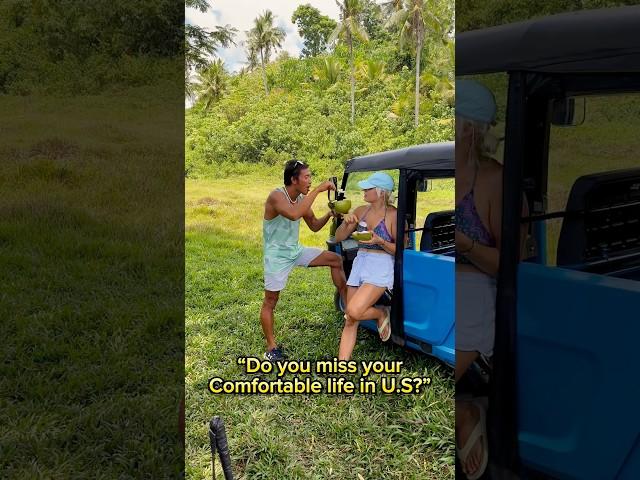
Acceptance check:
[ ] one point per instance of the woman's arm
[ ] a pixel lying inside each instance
(348, 225)
(483, 257)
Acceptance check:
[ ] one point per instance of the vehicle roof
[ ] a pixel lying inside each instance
(602, 40)
(435, 159)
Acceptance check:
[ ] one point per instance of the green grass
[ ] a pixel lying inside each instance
(91, 273)
(293, 437)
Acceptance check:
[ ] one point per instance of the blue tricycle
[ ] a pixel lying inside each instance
(422, 300)
(564, 389)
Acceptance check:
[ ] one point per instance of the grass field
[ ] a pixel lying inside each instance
(294, 437)
(91, 299)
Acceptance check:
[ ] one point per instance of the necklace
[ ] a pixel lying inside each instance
(288, 197)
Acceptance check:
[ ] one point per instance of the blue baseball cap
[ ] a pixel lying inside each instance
(475, 102)
(378, 179)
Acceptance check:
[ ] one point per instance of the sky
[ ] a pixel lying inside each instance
(241, 13)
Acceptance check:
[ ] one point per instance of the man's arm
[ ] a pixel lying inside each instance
(315, 224)
(293, 212)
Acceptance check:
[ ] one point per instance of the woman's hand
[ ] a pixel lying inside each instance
(463, 242)
(350, 218)
(375, 240)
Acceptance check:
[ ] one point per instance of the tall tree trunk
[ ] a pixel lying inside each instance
(264, 74)
(353, 80)
(416, 112)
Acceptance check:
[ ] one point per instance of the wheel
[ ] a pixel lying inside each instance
(337, 301)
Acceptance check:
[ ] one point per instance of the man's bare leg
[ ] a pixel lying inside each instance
(266, 317)
(334, 261)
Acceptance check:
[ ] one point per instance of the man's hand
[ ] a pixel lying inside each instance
(324, 186)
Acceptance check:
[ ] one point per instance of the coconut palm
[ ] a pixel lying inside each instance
(328, 72)
(212, 83)
(265, 38)
(391, 6)
(252, 57)
(414, 19)
(201, 44)
(373, 70)
(350, 28)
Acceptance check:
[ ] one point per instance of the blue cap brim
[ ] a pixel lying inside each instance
(365, 185)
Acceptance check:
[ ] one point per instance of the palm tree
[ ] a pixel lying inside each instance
(414, 19)
(201, 44)
(391, 6)
(252, 57)
(373, 70)
(350, 27)
(328, 72)
(265, 38)
(212, 83)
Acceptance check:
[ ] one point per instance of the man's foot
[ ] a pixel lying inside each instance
(275, 355)
(468, 422)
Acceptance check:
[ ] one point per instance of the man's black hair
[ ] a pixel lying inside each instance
(292, 169)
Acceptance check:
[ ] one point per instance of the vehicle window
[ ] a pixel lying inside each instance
(607, 140)
(439, 198)
(354, 193)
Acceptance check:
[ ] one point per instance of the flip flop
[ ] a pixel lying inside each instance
(386, 321)
(479, 433)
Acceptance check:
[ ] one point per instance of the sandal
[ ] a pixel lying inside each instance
(386, 323)
(479, 433)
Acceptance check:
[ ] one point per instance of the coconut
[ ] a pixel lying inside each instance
(341, 206)
(360, 236)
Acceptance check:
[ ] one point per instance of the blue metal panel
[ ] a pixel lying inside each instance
(429, 296)
(429, 303)
(578, 332)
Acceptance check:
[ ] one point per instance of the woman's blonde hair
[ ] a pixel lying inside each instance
(483, 142)
(389, 197)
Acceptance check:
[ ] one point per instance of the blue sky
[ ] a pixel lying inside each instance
(241, 13)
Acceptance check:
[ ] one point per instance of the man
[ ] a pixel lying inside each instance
(283, 210)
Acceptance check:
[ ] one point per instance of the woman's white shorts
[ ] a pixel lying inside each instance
(373, 268)
(475, 312)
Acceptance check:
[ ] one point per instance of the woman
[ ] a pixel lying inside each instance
(372, 270)
(478, 239)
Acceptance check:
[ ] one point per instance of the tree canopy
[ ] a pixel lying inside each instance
(314, 28)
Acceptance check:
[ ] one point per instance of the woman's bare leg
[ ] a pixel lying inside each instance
(359, 307)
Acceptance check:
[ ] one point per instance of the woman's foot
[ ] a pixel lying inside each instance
(384, 325)
(467, 417)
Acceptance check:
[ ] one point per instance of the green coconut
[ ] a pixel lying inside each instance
(360, 236)
(340, 206)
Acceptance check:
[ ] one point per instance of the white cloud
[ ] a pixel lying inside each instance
(241, 13)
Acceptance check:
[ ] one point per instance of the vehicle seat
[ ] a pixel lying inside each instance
(385, 299)
(438, 235)
(602, 235)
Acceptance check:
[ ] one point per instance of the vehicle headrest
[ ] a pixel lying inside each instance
(439, 231)
(602, 218)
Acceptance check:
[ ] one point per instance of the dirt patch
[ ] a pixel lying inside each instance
(211, 202)
(53, 149)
